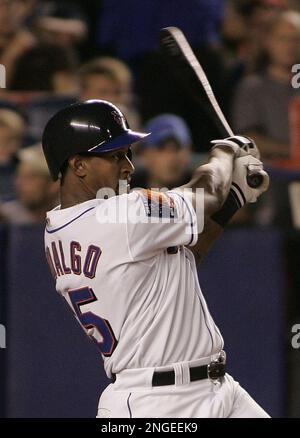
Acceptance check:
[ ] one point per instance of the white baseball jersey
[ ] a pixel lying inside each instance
(132, 283)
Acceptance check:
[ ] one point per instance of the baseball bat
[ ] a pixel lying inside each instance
(187, 69)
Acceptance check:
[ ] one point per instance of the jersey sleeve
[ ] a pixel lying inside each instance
(159, 220)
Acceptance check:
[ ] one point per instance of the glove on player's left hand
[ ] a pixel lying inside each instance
(241, 145)
(244, 166)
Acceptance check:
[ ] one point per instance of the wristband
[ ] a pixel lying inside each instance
(229, 208)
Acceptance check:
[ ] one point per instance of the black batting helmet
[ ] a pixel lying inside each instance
(94, 126)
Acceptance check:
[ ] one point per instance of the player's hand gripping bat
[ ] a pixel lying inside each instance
(188, 70)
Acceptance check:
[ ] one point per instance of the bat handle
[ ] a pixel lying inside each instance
(254, 180)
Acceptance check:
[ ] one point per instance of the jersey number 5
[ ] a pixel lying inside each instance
(108, 342)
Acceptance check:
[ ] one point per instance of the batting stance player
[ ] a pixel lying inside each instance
(126, 264)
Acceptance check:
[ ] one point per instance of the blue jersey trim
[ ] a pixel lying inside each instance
(65, 225)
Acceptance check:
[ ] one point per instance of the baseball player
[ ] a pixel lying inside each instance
(125, 262)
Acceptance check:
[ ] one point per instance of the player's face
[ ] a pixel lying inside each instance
(106, 170)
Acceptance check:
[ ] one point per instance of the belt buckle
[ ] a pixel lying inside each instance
(216, 368)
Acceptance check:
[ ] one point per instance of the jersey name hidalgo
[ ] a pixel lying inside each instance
(124, 267)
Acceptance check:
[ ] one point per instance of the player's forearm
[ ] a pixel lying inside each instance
(215, 178)
(222, 163)
(240, 194)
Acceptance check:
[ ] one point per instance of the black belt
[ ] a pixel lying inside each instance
(213, 371)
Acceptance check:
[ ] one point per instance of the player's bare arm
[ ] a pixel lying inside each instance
(239, 195)
(215, 178)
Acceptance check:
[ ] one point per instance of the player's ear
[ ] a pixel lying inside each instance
(77, 164)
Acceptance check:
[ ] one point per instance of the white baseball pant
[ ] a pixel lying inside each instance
(133, 396)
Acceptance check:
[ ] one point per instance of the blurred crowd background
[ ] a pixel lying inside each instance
(58, 52)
